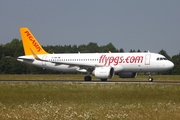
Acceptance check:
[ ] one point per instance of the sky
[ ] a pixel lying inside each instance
(129, 24)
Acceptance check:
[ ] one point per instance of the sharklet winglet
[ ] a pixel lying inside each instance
(34, 54)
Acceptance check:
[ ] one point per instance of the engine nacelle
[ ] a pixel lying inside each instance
(103, 72)
(127, 74)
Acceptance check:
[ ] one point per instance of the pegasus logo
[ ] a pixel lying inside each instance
(33, 41)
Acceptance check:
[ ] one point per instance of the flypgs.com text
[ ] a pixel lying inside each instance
(107, 60)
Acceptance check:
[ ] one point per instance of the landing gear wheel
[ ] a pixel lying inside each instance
(150, 79)
(87, 78)
(103, 79)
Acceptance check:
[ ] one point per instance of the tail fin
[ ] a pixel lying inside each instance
(30, 43)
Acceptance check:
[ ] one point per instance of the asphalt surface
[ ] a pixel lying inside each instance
(90, 82)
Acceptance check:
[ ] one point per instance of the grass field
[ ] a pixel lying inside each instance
(75, 101)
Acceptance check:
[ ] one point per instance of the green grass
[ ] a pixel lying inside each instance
(67, 101)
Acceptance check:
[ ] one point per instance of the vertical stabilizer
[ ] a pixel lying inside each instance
(30, 43)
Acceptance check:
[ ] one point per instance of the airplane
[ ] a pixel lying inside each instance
(102, 65)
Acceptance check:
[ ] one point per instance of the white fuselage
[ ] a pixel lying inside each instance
(80, 62)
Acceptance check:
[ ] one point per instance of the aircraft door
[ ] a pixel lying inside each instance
(147, 59)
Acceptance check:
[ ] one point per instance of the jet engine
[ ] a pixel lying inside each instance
(127, 74)
(103, 72)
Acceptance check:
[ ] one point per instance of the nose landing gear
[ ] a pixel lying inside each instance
(150, 77)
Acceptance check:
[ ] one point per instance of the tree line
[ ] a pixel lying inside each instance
(10, 51)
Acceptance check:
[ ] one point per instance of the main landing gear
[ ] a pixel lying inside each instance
(103, 79)
(87, 78)
(150, 77)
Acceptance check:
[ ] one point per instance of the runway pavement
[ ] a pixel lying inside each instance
(90, 82)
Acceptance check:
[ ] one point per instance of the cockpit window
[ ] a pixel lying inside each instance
(161, 58)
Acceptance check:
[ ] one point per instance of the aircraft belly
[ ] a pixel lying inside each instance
(134, 67)
(118, 68)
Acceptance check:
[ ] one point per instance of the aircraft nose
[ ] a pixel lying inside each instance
(170, 65)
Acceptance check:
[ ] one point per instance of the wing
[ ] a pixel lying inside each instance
(81, 67)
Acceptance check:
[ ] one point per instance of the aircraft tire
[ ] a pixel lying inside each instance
(103, 79)
(87, 78)
(150, 79)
